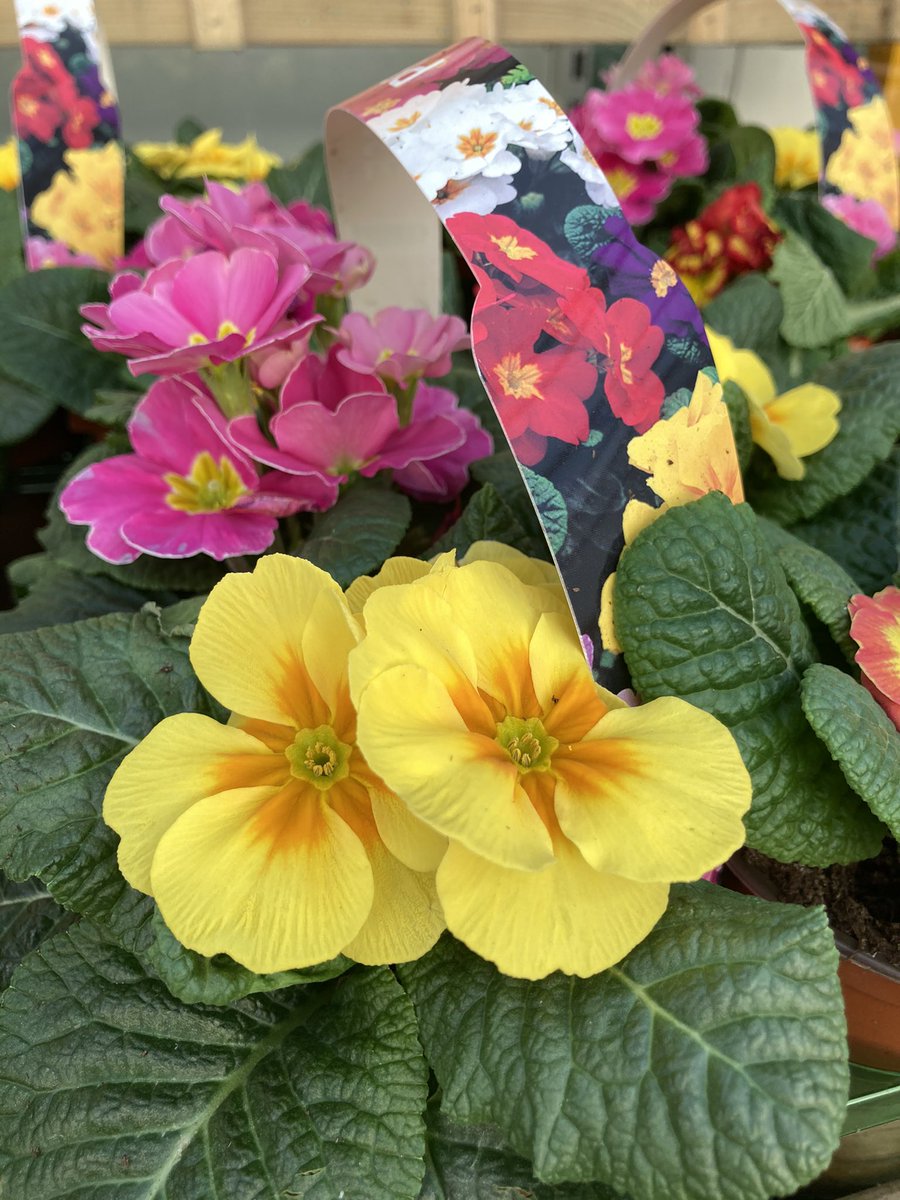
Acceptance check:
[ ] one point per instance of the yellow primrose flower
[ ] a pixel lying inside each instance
(790, 426)
(798, 156)
(257, 838)
(566, 813)
(84, 206)
(9, 165)
(686, 456)
(207, 155)
(865, 163)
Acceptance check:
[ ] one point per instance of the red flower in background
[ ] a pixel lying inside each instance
(537, 395)
(730, 237)
(624, 337)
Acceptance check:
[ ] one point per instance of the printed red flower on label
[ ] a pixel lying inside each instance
(524, 258)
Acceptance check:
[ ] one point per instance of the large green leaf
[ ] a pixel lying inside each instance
(359, 532)
(305, 179)
(112, 1089)
(868, 384)
(848, 253)
(859, 735)
(703, 612)
(817, 581)
(472, 1162)
(28, 914)
(41, 343)
(22, 410)
(861, 531)
(487, 516)
(60, 596)
(73, 700)
(710, 1062)
(749, 312)
(815, 308)
(12, 262)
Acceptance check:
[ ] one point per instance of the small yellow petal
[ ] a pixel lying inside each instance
(567, 917)
(225, 885)
(405, 835)
(606, 622)
(563, 683)
(533, 571)
(743, 367)
(654, 793)
(808, 417)
(395, 571)
(775, 442)
(182, 760)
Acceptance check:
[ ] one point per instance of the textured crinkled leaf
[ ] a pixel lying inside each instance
(749, 312)
(359, 532)
(503, 473)
(61, 596)
(705, 613)
(815, 308)
(862, 531)
(739, 416)
(817, 581)
(28, 914)
(860, 737)
(111, 1089)
(41, 343)
(22, 410)
(73, 700)
(472, 1162)
(710, 1062)
(848, 253)
(195, 979)
(868, 384)
(487, 517)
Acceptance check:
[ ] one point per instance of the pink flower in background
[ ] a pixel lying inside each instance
(401, 344)
(209, 309)
(184, 491)
(669, 74)
(444, 476)
(866, 217)
(638, 188)
(640, 124)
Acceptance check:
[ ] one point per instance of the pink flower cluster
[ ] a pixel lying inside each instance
(644, 135)
(270, 396)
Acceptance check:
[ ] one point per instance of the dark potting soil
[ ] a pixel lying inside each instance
(862, 899)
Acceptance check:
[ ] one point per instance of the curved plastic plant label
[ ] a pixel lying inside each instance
(858, 158)
(66, 119)
(587, 344)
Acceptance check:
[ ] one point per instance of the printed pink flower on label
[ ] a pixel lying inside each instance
(401, 344)
(867, 217)
(875, 627)
(184, 491)
(210, 309)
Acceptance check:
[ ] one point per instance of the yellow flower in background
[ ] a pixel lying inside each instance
(566, 813)
(257, 838)
(9, 165)
(798, 156)
(84, 206)
(790, 426)
(865, 164)
(207, 155)
(686, 456)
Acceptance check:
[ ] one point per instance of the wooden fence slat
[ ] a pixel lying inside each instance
(229, 23)
(217, 24)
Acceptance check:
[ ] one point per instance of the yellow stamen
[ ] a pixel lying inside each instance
(210, 487)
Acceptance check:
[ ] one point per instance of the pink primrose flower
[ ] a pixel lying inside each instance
(210, 309)
(401, 344)
(444, 476)
(184, 491)
(638, 188)
(867, 217)
(667, 75)
(640, 124)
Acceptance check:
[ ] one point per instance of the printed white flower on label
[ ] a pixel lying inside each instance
(44, 21)
(580, 160)
(544, 128)
(395, 122)
(476, 195)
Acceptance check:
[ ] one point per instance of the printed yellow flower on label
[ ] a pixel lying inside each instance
(790, 426)
(567, 814)
(257, 838)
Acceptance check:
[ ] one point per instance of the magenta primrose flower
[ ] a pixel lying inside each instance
(667, 75)
(317, 434)
(210, 309)
(184, 491)
(445, 475)
(641, 124)
(401, 344)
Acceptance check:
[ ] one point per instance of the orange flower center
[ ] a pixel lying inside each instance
(476, 144)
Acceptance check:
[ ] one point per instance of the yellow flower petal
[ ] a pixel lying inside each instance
(183, 760)
(462, 783)
(808, 417)
(274, 880)
(567, 917)
(406, 918)
(653, 793)
(533, 571)
(743, 367)
(776, 443)
(247, 648)
(408, 838)
(563, 684)
(395, 570)
(606, 621)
